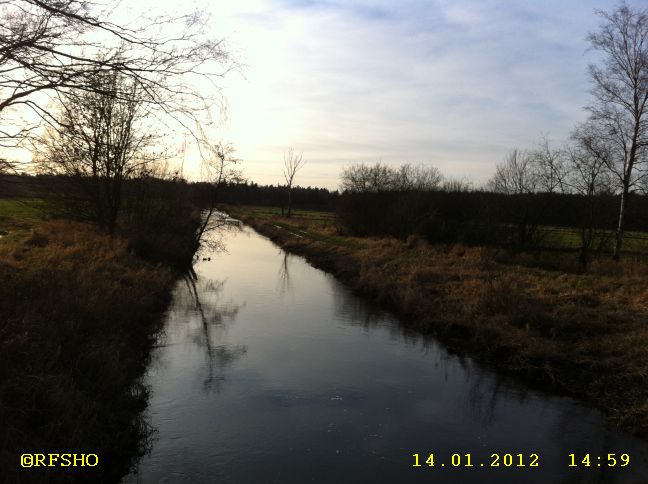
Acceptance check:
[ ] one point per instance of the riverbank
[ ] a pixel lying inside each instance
(580, 334)
(80, 311)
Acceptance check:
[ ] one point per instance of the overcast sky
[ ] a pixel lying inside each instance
(455, 84)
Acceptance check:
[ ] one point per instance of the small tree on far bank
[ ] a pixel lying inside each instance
(293, 162)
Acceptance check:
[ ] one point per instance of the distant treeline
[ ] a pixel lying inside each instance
(439, 212)
(480, 217)
(245, 193)
(13, 186)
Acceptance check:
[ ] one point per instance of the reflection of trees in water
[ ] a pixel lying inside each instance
(483, 393)
(203, 299)
(357, 311)
(198, 300)
(486, 389)
(283, 281)
(210, 236)
(352, 309)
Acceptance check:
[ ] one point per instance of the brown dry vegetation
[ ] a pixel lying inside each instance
(78, 314)
(581, 334)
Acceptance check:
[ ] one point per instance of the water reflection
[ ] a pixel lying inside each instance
(204, 298)
(276, 373)
(283, 279)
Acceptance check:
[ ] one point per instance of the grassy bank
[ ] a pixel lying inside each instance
(79, 313)
(19, 216)
(581, 334)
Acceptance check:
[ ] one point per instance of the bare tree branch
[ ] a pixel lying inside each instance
(57, 46)
(293, 162)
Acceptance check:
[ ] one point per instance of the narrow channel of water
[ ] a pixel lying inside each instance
(271, 371)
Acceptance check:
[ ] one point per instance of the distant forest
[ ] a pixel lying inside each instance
(448, 213)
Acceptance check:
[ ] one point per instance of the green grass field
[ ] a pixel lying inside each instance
(311, 215)
(569, 238)
(19, 215)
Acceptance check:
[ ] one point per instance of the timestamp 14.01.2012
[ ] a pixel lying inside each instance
(518, 460)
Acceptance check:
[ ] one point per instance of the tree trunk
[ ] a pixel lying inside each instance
(289, 202)
(205, 222)
(587, 230)
(619, 232)
(586, 244)
(627, 177)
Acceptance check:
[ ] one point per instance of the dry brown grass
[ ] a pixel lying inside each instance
(585, 334)
(78, 313)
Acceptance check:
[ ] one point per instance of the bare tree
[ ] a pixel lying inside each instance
(99, 141)
(360, 177)
(456, 185)
(588, 159)
(620, 99)
(219, 163)
(418, 178)
(548, 166)
(49, 47)
(293, 162)
(219, 166)
(587, 174)
(515, 175)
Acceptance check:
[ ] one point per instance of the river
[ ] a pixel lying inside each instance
(271, 371)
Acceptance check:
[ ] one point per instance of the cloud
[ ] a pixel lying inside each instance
(452, 83)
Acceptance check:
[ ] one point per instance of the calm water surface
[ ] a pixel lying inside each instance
(271, 371)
